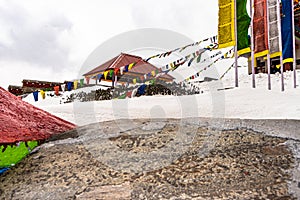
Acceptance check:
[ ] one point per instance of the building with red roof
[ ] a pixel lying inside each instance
(138, 71)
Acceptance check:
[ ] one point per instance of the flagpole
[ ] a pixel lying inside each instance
(280, 45)
(268, 55)
(294, 45)
(252, 43)
(235, 47)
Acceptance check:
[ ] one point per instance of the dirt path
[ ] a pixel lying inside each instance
(162, 159)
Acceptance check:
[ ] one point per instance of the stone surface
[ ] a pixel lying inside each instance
(162, 159)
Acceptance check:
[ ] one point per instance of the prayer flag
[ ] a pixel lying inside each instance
(153, 73)
(226, 34)
(243, 22)
(273, 28)
(122, 69)
(260, 29)
(111, 72)
(56, 89)
(99, 76)
(126, 68)
(81, 82)
(43, 94)
(105, 74)
(87, 80)
(63, 87)
(116, 70)
(75, 84)
(36, 95)
(286, 31)
(131, 65)
(69, 85)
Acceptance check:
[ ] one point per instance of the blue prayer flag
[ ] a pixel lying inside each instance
(286, 31)
(36, 95)
(69, 85)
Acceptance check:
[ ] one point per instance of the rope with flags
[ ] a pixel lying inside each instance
(190, 58)
(150, 77)
(196, 75)
(231, 66)
(212, 39)
(176, 64)
(161, 71)
(197, 55)
(169, 67)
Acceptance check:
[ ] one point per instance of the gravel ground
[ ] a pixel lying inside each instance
(163, 159)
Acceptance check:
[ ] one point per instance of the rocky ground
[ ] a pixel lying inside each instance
(162, 159)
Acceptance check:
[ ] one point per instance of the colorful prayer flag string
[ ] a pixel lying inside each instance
(205, 68)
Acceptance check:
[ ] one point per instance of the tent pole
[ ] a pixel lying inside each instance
(235, 47)
(268, 55)
(252, 43)
(280, 45)
(294, 45)
(269, 71)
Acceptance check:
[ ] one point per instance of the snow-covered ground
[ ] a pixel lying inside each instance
(242, 102)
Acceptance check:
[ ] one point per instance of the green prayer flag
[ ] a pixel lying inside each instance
(199, 58)
(111, 72)
(81, 82)
(243, 22)
(123, 96)
(152, 82)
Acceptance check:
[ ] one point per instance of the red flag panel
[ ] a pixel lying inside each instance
(260, 28)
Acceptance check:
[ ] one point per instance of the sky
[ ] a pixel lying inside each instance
(51, 39)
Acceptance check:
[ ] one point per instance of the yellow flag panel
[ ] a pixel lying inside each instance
(226, 36)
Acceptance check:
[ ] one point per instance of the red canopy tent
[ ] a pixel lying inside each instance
(21, 121)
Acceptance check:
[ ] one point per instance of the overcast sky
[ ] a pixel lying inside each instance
(50, 39)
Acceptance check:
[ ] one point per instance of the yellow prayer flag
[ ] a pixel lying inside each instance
(75, 84)
(226, 34)
(130, 66)
(153, 73)
(42, 94)
(172, 66)
(105, 74)
(134, 81)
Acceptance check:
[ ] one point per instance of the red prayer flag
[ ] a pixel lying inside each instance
(260, 28)
(87, 80)
(116, 70)
(128, 94)
(56, 89)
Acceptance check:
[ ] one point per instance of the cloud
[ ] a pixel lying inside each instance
(193, 18)
(56, 36)
(31, 40)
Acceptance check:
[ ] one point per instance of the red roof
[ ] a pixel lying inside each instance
(21, 121)
(102, 67)
(141, 67)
